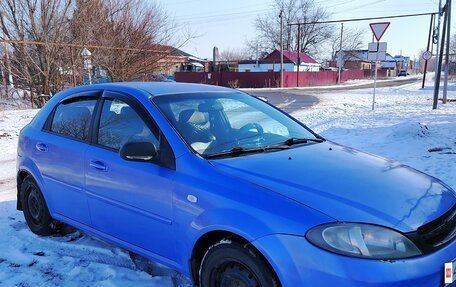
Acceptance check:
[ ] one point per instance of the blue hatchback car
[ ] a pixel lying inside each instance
(230, 191)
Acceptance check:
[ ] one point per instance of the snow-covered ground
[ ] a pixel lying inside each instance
(403, 127)
(346, 84)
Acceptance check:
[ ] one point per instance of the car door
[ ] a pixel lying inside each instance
(59, 154)
(131, 201)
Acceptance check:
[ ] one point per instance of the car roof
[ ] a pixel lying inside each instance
(155, 88)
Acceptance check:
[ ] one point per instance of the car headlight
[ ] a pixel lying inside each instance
(362, 240)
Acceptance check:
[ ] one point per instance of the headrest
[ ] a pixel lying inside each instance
(127, 112)
(192, 117)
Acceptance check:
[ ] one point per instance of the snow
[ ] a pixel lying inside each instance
(347, 84)
(403, 127)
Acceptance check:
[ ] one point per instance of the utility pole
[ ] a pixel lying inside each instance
(427, 49)
(281, 48)
(299, 56)
(438, 37)
(439, 65)
(447, 58)
(340, 53)
(257, 56)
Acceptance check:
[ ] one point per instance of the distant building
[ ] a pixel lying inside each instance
(353, 60)
(358, 60)
(180, 61)
(271, 63)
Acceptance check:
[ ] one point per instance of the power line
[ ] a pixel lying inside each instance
(245, 13)
(362, 6)
(81, 46)
(232, 10)
(362, 19)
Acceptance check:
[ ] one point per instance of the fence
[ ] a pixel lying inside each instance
(267, 79)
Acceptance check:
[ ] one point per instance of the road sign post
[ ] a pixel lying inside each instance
(377, 51)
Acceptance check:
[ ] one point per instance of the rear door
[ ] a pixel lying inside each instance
(59, 154)
(131, 201)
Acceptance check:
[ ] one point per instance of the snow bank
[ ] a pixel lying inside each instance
(403, 126)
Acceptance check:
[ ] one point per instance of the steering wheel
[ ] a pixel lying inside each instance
(251, 126)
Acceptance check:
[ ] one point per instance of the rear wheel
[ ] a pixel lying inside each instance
(35, 210)
(230, 264)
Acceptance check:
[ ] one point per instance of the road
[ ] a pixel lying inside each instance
(293, 99)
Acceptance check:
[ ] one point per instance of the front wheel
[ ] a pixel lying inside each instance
(230, 264)
(36, 212)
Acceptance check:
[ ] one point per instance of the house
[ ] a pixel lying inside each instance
(389, 65)
(405, 63)
(353, 60)
(358, 60)
(272, 63)
(180, 61)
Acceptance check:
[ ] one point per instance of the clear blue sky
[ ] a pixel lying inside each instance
(229, 23)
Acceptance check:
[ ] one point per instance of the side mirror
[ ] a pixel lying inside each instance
(138, 151)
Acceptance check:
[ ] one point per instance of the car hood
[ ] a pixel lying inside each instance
(346, 184)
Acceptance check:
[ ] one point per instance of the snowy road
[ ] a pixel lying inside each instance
(403, 127)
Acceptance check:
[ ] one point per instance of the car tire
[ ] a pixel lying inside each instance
(228, 263)
(35, 209)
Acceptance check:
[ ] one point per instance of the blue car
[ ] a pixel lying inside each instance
(230, 191)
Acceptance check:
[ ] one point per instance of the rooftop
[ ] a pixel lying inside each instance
(288, 57)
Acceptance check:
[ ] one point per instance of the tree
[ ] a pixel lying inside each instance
(36, 20)
(312, 36)
(145, 29)
(353, 39)
(233, 55)
(136, 36)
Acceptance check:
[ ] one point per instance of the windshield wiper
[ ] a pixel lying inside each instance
(293, 141)
(236, 151)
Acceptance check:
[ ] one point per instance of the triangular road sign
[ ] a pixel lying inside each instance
(379, 29)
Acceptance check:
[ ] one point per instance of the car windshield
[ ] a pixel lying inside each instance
(215, 123)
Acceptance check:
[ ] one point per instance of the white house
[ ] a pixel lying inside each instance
(272, 63)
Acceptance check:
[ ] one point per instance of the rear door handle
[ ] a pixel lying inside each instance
(98, 165)
(41, 147)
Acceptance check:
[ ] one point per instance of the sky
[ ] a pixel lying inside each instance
(229, 24)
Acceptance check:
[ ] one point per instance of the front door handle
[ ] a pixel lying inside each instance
(98, 165)
(41, 147)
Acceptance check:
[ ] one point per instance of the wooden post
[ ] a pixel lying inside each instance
(298, 61)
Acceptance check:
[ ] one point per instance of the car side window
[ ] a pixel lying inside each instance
(119, 124)
(72, 118)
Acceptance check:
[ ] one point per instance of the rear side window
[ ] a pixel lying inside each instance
(73, 118)
(120, 124)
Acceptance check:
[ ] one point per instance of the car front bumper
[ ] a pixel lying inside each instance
(299, 263)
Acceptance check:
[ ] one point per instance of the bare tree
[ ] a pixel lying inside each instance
(36, 20)
(130, 24)
(233, 55)
(141, 33)
(294, 11)
(353, 39)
